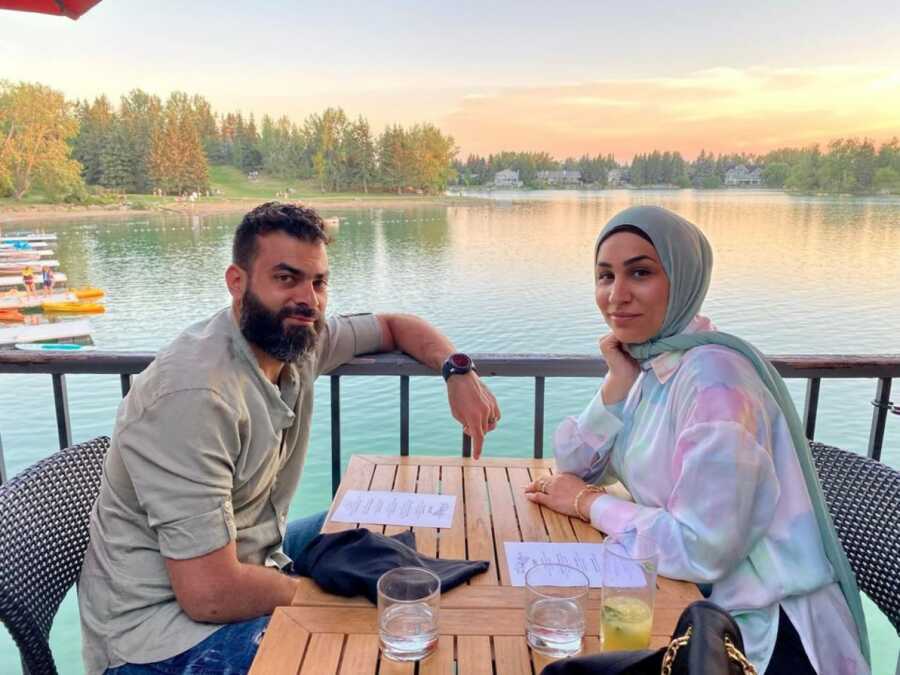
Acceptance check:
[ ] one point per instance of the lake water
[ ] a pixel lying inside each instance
(794, 275)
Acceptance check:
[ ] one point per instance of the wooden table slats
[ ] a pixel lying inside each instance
(482, 623)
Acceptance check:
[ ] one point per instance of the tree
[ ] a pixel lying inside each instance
(95, 122)
(177, 161)
(140, 115)
(775, 174)
(358, 151)
(117, 160)
(887, 179)
(36, 124)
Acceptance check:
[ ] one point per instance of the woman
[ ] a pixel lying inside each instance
(702, 432)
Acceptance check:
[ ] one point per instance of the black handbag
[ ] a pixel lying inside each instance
(706, 641)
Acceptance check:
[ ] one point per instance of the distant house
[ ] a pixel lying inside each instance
(564, 177)
(507, 178)
(741, 176)
(616, 177)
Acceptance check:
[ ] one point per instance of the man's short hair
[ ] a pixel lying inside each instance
(297, 221)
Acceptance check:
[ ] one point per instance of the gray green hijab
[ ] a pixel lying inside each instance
(686, 256)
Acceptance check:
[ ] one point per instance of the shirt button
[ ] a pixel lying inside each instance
(283, 518)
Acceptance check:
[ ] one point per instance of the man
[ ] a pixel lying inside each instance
(189, 542)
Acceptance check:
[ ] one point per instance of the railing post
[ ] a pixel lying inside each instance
(879, 417)
(538, 417)
(2, 464)
(61, 401)
(404, 415)
(125, 379)
(812, 405)
(335, 433)
(466, 445)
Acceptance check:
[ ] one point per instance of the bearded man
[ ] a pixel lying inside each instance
(190, 547)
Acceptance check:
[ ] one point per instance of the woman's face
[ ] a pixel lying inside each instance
(632, 289)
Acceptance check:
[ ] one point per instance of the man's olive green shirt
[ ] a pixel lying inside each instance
(205, 450)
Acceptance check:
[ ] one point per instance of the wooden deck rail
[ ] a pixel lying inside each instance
(813, 368)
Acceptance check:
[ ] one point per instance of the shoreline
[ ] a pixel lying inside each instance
(212, 207)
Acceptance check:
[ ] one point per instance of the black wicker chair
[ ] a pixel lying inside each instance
(44, 517)
(863, 497)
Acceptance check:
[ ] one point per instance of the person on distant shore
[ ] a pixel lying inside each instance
(28, 280)
(189, 540)
(701, 430)
(47, 278)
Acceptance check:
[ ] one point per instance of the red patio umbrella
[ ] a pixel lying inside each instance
(70, 8)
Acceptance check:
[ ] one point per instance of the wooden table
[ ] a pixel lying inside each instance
(481, 621)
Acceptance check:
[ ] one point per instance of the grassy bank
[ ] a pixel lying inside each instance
(231, 191)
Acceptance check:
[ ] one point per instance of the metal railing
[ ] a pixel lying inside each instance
(883, 369)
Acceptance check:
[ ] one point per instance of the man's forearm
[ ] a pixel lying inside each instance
(415, 337)
(218, 589)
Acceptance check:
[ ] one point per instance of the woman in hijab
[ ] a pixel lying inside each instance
(701, 430)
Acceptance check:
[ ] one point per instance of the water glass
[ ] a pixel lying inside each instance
(629, 587)
(408, 606)
(555, 608)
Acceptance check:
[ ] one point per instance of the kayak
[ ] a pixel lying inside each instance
(88, 293)
(73, 307)
(11, 315)
(53, 347)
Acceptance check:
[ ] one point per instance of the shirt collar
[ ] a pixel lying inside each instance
(664, 365)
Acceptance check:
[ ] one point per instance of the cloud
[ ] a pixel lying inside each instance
(721, 109)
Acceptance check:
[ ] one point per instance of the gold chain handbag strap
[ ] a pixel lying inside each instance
(677, 643)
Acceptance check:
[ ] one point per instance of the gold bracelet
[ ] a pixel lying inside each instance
(586, 488)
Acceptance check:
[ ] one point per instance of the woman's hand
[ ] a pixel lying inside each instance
(558, 492)
(623, 369)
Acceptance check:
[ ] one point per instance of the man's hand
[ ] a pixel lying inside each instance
(474, 406)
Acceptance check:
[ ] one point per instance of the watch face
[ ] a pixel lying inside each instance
(460, 360)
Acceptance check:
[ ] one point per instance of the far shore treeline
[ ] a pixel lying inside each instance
(71, 150)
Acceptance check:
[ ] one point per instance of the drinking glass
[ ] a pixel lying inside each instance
(408, 605)
(629, 586)
(555, 607)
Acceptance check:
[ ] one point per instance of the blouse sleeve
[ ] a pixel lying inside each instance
(724, 493)
(582, 444)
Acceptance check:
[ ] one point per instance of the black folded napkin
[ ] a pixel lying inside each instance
(351, 562)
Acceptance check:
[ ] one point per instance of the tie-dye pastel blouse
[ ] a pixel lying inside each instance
(707, 456)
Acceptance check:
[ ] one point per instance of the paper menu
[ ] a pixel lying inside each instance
(414, 509)
(522, 556)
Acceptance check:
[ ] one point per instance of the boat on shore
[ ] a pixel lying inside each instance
(77, 307)
(11, 315)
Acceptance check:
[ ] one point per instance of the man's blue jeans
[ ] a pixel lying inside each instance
(230, 650)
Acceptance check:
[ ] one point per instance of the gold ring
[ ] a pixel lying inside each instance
(543, 484)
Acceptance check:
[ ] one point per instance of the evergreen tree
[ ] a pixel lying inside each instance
(117, 160)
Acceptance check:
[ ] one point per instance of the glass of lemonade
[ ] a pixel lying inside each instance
(408, 605)
(555, 608)
(629, 586)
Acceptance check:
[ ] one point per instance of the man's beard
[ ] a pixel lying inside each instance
(267, 330)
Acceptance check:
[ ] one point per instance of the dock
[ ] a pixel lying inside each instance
(16, 280)
(25, 301)
(28, 238)
(46, 332)
(7, 266)
(14, 254)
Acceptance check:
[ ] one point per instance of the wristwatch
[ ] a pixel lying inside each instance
(457, 364)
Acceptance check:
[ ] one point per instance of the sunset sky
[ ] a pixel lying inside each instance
(565, 77)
